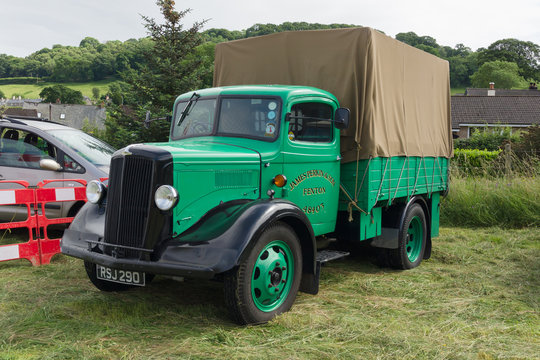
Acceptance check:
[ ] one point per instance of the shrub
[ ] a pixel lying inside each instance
(529, 144)
(474, 161)
(488, 138)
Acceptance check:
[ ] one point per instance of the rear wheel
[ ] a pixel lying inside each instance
(412, 240)
(266, 282)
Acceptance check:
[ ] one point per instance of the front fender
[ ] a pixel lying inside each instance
(232, 228)
(215, 244)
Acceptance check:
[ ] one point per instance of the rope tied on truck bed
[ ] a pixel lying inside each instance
(356, 188)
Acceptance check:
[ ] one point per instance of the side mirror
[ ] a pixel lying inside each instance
(147, 120)
(49, 164)
(341, 118)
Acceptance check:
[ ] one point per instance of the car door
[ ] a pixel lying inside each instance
(20, 154)
(311, 161)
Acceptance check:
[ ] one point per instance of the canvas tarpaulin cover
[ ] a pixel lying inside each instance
(399, 96)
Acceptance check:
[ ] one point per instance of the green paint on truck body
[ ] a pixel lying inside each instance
(381, 182)
(214, 168)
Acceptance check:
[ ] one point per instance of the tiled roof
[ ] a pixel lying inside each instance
(20, 112)
(70, 115)
(501, 92)
(516, 110)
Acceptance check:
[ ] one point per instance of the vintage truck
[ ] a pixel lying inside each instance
(256, 178)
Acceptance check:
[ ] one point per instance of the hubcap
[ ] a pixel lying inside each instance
(272, 276)
(415, 235)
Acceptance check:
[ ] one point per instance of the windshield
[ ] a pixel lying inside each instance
(253, 117)
(96, 151)
(198, 120)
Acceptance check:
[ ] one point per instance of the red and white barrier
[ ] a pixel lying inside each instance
(38, 251)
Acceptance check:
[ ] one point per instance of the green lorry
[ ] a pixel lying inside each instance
(257, 179)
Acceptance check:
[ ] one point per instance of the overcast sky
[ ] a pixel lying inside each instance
(30, 25)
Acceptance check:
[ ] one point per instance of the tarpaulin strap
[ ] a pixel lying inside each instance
(390, 200)
(440, 171)
(356, 193)
(416, 180)
(382, 180)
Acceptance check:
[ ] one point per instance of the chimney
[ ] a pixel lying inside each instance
(491, 91)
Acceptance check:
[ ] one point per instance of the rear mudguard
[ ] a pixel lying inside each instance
(217, 243)
(393, 219)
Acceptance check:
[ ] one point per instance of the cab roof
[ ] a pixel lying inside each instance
(286, 92)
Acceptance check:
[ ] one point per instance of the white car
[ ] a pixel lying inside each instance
(34, 150)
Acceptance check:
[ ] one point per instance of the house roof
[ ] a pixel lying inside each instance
(511, 110)
(501, 92)
(20, 112)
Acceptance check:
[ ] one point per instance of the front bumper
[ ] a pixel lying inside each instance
(176, 259)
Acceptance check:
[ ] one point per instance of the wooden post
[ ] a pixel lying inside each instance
(508, 159)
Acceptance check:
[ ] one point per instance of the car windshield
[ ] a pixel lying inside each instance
(96, 151)
(252, 117)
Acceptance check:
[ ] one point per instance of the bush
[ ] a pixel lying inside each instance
(474, 161)
(60, 92)
(488, 138)
(18, 80)
(529, 144)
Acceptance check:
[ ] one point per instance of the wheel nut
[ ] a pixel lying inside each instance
(277, 264)
(269, 286)
(283, 268)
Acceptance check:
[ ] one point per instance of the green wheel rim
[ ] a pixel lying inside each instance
(272, 276)
(415, 237)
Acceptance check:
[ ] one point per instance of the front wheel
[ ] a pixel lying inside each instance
(266, 282)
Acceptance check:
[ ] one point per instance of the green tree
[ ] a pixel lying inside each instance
(95, 93)
(62, 93)
(170, 69)
(504, 74)
(525, 54)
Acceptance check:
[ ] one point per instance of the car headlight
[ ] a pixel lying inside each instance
(95, 190)
(166, 197)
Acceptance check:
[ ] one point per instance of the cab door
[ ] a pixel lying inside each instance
(311, 161)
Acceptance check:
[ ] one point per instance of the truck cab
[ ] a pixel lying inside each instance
(249, 179)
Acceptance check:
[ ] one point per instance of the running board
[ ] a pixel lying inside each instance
(325, 256)
(310, 282)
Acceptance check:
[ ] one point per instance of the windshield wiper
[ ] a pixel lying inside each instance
(192, 101)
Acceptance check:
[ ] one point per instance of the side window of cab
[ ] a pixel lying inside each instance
(311, 122)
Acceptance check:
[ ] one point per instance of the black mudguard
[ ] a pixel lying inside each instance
(215, 244)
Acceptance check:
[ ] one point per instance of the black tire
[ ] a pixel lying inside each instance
(239, 298)
(411, 241)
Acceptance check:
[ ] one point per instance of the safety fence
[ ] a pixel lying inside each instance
(30, 203)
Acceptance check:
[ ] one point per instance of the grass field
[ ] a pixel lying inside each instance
(476, 298)
(455, 91)
(31, 91)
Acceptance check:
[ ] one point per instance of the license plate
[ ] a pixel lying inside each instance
(120, 276)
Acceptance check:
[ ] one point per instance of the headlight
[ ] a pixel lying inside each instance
(166, 197)
(95, 191)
